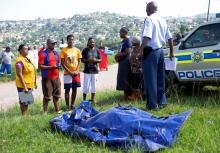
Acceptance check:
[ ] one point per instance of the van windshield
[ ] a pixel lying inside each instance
(207, 35)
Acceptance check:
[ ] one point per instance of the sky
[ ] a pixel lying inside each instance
(32, 9)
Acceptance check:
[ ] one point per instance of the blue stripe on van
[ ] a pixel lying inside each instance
(184, 57)
(211, 55)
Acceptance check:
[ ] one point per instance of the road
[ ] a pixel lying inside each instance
(9, 95)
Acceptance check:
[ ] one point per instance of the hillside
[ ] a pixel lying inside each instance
(102, 26)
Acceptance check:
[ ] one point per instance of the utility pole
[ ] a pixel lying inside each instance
(208, 11)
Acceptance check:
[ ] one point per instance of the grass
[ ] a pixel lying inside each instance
(200, 134)
(111, 59)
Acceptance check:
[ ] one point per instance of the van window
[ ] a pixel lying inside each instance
(207, 35)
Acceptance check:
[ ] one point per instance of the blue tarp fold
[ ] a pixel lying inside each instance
(122, 126)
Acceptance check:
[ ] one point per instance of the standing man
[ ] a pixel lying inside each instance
(90, 57)
(49, 62)
(70, 60)
(6, 56)
(154, 37)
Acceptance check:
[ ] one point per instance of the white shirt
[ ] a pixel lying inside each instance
(7, 57)
(157, 30)
(33, 56)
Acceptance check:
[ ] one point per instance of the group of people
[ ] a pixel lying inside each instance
(49, 63)
(145, 60)
(141, 67)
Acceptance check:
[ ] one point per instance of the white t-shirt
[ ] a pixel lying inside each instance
(157, 30)
(33, 56)
(7, 57)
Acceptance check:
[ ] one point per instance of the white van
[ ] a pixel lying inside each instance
(198, 57)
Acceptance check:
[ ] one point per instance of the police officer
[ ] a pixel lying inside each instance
(154, 36)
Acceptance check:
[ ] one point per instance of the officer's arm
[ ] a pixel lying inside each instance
(170, 41)
(143, 45)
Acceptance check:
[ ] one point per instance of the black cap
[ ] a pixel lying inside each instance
(51, 41)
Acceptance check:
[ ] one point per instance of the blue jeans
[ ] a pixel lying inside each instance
(7, 67)
(154, 78)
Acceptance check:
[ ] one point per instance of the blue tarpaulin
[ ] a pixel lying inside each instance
(123, 126)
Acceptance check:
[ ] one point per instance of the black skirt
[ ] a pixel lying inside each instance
(124, 75)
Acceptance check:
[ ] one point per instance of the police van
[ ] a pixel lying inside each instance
(198, 57)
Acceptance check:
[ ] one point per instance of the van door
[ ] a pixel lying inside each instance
(199, 57)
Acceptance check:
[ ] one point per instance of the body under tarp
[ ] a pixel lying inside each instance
(123, 126)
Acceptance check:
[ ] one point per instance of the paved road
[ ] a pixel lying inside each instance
(9, 95)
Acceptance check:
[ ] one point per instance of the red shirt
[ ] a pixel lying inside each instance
(40, 51)
(51, 74)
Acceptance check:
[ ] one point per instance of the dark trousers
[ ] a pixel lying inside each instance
(154, 78)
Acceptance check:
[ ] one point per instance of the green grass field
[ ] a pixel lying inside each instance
(200, 134)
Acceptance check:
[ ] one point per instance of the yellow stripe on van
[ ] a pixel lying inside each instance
(212, 60)
(207, 51)
(184, 62)
(181, 54)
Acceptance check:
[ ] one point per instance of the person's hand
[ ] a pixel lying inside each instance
(94, 59)
(73, 74)
(55, 67)
(91, 60)
(26, 90)
(117, 57)
(76, 73)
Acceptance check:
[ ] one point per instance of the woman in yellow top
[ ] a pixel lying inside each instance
(25, 79)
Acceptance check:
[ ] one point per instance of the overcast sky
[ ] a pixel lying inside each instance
(32, 9)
